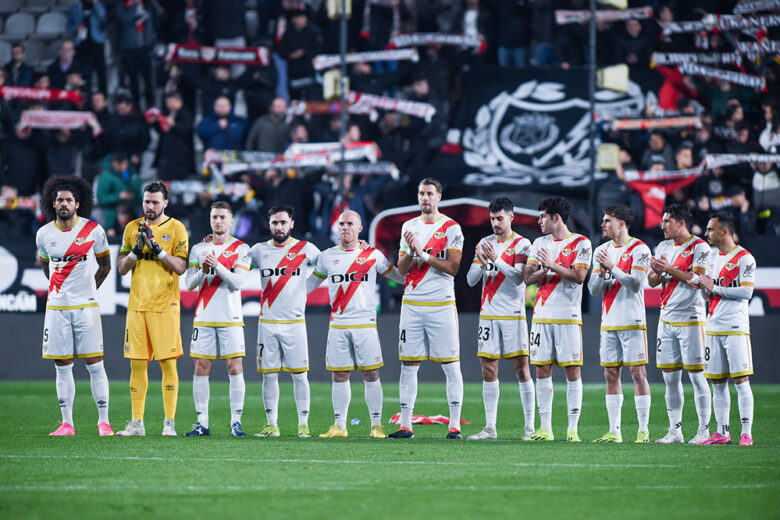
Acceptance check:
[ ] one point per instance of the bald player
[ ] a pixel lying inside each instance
(353, 341)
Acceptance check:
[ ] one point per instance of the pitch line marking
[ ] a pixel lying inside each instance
(370, 462)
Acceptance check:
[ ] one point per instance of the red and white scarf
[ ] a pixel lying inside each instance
(56, 119)
(181, 53)
(472, 41)
(45, 95)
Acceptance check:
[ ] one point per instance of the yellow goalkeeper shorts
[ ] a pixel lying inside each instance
(153, 335)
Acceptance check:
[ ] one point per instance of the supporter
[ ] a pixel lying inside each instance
(514, 33)
(299, 133)
(225, 26)
(65, 62)
(95, 146)
(269, 132)
(658, 151)
(175, 157)
(766, 194)
(18, 73)
(632, 45)
(118, 183)
(543, 24)
(137, 35)
(62, 151)
(744, 214)
(221, 129)
(24, 159)
(126, 130)
(301, 43)
(87, 28)
(216, 83)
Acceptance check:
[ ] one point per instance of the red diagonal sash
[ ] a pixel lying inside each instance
(209, 289)
(360, 267)
(292, 261)
(78, 249)
(490, 288)
(725, 278)
(683, 262)
(435, 245)
(612, 291)
(548, 286)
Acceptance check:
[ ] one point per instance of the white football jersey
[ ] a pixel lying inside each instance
(69, 253)
(351, 276)
(218, 305)
(425, 283)
(736, 268)
(558, 300)
(283, 271)
(680, 304)
(622, 308)
(502, 298)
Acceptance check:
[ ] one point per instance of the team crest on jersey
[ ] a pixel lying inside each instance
(686, 254)
(438, 235)
(566, 252)
(730, 266)
(625, 257)
(509, 252)
(290, 256)
(79, 241)
(228, 254)
(360, 260)
(165, 238)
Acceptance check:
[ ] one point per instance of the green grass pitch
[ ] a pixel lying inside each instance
(220, 477)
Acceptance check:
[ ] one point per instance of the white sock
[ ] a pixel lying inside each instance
(302, 395)
(674, 398)
(745, 405)
(574, 402)
(374, 397)
(200, 394)
(544, 399)
(454, 391)
(702, 397)
(66, 391)
(341, 394)
(237, 391)
(642, 403)
(721, 402)
(407, 392)
(614, 406)
(99, 383)
(271, 398)
(490, 393)
(527, 398)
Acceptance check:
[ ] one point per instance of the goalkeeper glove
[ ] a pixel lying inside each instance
(152, 243)
(139, 242)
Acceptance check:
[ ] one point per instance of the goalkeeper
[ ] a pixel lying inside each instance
(155, 249)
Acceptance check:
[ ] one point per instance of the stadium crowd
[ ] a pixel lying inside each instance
(154, 118)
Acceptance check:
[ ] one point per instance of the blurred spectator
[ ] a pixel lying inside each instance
(300, 44)
(217, 83)
(766, 192)
(260, 90)
(137, 34)
(63, 65)
(86, 27)
(632, 44)
(126, 130)
(18, 73)
(286, 187)
(226, 24)
(125, 213)
(175, 157)
(95, 146)
(771, 124)
(118, 182)
(269, 133)
(62, 151)
(41, 80)
(221, 129)
(514, 32)
(299, 133)
(658, 151)
(24, 161)
(743, 212)
(543, 23)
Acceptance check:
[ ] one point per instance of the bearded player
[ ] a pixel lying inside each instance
(353, 341)
(499, 261)
(216, 269)
(282, 343)
(430, 255)
(155, 249)
(72, 327)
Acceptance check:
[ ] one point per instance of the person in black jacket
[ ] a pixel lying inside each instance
(18, 72)
(175, 157)
(63, 65)
(126, 130)
(300, 44)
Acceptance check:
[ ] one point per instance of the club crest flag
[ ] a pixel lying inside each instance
(528, 127)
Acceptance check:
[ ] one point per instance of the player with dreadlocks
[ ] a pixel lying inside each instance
(68, 245)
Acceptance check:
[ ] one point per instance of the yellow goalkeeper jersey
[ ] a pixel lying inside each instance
(153, 286)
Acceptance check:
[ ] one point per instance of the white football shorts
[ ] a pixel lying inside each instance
(69, 333)
(217, 342)
(623, 347)
(727, 356)
(680, 347)
(282, 346)
(353, 347)
(559, 343)
(505, 339)
(429, 332)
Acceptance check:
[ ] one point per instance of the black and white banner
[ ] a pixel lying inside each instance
(529, 127)
(757, 6)
(709, 58)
